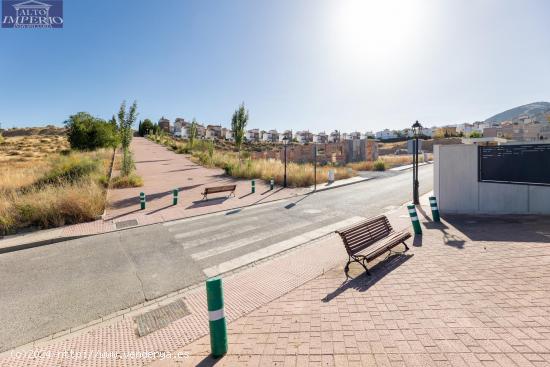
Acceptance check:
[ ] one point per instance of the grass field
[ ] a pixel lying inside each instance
(241, 166)
(44, 185)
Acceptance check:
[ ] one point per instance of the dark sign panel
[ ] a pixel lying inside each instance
(519, 164)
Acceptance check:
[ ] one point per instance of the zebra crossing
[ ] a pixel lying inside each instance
(225, 241)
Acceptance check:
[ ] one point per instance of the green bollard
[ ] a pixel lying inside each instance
(414, 219)
(435, 209)
(216, 317)
(253, 186)
(271, 184)
(142, 200)
(175, 201)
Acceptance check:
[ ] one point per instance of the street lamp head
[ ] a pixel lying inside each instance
(285, 140)
(417, 128)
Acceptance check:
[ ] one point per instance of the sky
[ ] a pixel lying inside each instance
(296, 64)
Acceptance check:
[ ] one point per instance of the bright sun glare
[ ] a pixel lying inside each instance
(374, 33)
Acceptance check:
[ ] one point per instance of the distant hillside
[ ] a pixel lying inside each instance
(537, 110)
(27, 131)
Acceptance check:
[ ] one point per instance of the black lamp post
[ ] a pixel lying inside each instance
(285, 144)
(417, 131)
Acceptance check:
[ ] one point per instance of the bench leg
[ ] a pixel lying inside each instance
(346, 268)
(365, 267)
(406, 247)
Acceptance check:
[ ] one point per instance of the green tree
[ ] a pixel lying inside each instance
(238, 125)
(146, 127)
(476, 134)
(86, 132)
(192, 133)
(126, 121)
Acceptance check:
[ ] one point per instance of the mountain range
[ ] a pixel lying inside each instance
(537, 110)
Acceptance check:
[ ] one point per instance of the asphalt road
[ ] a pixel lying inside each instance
(49, 289)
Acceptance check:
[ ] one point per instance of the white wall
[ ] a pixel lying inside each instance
(458, 191)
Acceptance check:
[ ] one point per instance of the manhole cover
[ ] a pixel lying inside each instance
(161, 317)
(126, 223)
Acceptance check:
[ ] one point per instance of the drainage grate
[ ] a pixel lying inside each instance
(126, 223)
(161, 317)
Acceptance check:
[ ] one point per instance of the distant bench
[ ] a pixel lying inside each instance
(217, 189)
(369, 239)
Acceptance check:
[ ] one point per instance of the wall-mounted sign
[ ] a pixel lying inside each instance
(518, 164)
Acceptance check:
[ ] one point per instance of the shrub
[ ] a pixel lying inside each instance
(69, 169)
(127, 163)
(379, 165)
(131, 180)
(86, 132)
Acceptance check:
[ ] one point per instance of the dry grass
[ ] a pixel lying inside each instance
(132, 180)
(387, 161)
(42, 188)
(298, 175)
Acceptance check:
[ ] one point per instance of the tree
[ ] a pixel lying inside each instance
(238, 125)
(86, 132)
(476, 134)
(146, 127)
(192, 133)
(126, 120)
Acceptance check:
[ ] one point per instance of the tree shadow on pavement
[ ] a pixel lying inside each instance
(134, 200)
(363, 282)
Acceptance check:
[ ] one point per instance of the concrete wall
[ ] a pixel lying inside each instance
(458, 191)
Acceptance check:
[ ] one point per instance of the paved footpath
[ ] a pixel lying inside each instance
(471, 291)
(164, 171)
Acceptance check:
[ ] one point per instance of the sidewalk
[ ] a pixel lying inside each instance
(472, 291)
(162, 172)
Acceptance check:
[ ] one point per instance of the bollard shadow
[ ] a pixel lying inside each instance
(292, 205)
(159, 209)
(421, 210)
(246, 195)
(123, 214)
(417, 240)
(265, 197)
(208, 361)
(363, 282)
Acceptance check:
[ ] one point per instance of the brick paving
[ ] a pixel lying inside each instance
(471, 292)
(163, 171)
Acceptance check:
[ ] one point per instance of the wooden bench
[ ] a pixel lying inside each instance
(369, 239)
(216, 189)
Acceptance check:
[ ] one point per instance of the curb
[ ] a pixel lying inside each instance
(51, 241)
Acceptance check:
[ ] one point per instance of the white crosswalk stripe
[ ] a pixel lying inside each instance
(265, 232)
(278, 247)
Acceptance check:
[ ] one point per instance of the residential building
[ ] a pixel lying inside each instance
(465, 128)
(213, 132)
(179, 126)
(164, 124)
(386, 134)
(321, 138)
(253, 135)
(335, 136)
(519, 131)
(304, 137)
(286, 134)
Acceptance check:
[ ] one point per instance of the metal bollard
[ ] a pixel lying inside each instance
(176, 193)
(253, 186)
(435, 209)
(271, 184)
(414, 219)
(142, 200)
(216, 317)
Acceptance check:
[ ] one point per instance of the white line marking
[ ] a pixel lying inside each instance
(217, 237)
(249, 240)
(278, 247)
(192, 219)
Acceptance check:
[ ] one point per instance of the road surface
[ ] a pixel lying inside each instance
(49, 289)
